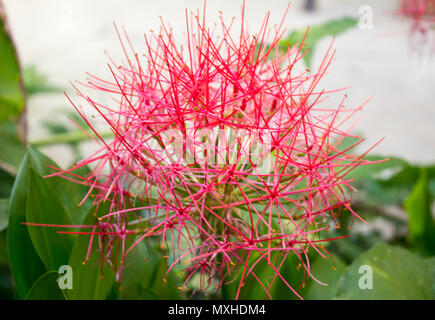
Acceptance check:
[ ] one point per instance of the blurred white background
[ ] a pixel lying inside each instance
(66, 38)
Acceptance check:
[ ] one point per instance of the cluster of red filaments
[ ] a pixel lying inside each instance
(224, 150)
(422, 13)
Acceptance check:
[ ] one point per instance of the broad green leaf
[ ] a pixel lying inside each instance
(11, 90)
(70, 193)
(347, 143)
(421, 223)
(397, 274)
(89, 281)
(253, 290)
(382, 171)
(315, 34)
(20, 248)
(3, 249)
(46, 288)
(384, 183)
(292, 272)
(12, 102)
(45, 207)
(327, 272)
(52, 201)
(157, 288)
(139, 275)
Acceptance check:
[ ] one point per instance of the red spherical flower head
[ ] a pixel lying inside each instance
(422, 13)
(224, 150)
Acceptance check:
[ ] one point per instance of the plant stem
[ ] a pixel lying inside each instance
(67, 137)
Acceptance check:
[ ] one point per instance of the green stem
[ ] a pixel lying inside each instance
(67, 137)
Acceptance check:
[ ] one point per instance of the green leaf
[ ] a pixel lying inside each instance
(315, 34)
(140, 273)
(155, 287)
(20, 248)
(12, 101)
(6, 183)
(46, 288)
(327, 272)
(397, 274)
(253, 290)
(45, 207)
(3, 249)
(4, 213)
(70, 193)
(250, 289)
(421, 223)
(11, 91)
(385, 183)
(292, 272)
(89, 281)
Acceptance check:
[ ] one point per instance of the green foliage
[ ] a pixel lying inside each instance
(46, 288)
(397, 274)
(90, 281)
(145, 275)
(384, 183)
(20, 247)
(421, 223)
(6, 182)
(40, 200)
(11, 91)
(71, 194)
(251, 289)
(36, 82)
(54, 200)
(328, 271)
(10, 141)
(44, 207)
(4, 212)
(12, 101)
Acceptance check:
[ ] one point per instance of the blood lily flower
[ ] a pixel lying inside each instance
(422, 13)
(224, 149)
